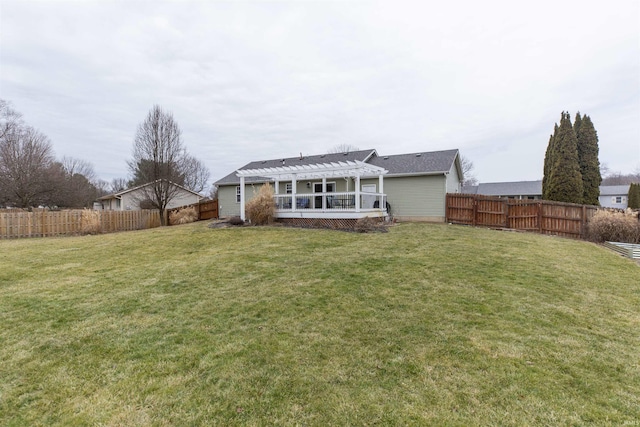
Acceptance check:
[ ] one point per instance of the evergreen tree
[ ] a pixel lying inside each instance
(548, 161)
(564, 180)
(577, 123)
(588, 159)
(634, 196)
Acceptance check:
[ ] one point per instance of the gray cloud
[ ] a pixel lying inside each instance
(254, 80)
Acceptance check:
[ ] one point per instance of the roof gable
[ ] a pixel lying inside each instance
(132, 189)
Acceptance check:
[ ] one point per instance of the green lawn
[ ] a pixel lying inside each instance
(426, 324)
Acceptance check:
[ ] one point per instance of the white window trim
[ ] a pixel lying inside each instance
(238, 194)
(288, 188)
(313, 185)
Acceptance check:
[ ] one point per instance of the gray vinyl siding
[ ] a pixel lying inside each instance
(227, 205)
(453, 180)
(416, 197)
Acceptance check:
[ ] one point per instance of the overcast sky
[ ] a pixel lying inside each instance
(256, 80)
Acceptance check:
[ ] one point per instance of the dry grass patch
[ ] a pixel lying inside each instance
(615, 226)
(261, 209)
(183, 216)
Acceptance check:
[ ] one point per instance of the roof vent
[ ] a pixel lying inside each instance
(386, 157)
(264, 161)
(419, 154)
(322, 156)
(345, 153)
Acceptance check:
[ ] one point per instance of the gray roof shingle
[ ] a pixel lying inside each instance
(425, 163)
(360, 155)
(614, 190)
(518, 188)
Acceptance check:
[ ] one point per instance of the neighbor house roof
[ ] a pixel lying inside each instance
(614, 190)
(129, 190)
(424, 163)
(517, 188)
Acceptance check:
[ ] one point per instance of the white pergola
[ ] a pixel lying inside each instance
(352, 169)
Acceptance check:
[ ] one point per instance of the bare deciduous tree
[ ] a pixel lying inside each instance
(160, 160)
(342, 148)
(10, 120)
(26, 158)
(467, 172)
(118, 184)
(196, 174)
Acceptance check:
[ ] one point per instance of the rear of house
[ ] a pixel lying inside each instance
(414, 185)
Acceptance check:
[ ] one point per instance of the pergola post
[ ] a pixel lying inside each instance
(293, 192)
(324, 192)
(357, 193)
(242, 214)
(383, 205)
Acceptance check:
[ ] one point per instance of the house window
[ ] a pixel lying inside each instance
(288, 188)
(618, 199)
(238, 194)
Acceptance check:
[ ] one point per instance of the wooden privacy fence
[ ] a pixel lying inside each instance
(206, 210)
(541, 216)
(63, 223)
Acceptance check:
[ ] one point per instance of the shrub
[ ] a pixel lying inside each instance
(183, 216)
(367, 224)
(262, 208)
(90, 222)
(610, 226)
(235, 220)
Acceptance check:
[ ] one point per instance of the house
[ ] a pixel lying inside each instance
(528, 190)
(137, 197)
(611, 196)
(348, 186)
(614, 196)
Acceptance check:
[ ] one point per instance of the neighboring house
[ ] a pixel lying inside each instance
(611, 196)
(528, 190)
(348, 185)
(614, 196)
(132, 198)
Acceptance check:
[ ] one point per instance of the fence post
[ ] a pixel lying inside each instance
(474, 212)
(583, 226)
(539, 205)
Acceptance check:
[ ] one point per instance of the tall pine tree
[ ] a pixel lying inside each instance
(548, 161)
(588, 159)
(563, 179)
(634, 196)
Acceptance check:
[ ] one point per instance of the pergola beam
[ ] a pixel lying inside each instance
(356, 169)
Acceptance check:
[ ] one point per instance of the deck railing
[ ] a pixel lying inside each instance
(332, 202)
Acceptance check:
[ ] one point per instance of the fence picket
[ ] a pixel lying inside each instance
(63, 223)
(542, 216)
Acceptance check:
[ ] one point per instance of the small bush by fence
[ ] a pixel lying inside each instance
(22, 224)
(204, 210)
(541, 216)
(615, 226)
